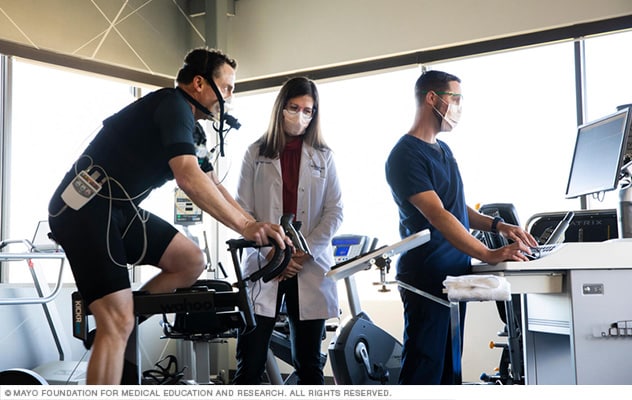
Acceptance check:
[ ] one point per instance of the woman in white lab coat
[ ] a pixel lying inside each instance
(290, 169)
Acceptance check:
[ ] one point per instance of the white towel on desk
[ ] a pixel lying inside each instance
(477, 288)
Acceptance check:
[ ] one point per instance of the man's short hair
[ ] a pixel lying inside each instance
(205, 62)
(433, 81)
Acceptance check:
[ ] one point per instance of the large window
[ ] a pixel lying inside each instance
(514, 143)
(55, 113)
(516, 138)
(608, 85)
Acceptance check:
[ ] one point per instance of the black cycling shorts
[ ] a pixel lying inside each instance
(99, 266)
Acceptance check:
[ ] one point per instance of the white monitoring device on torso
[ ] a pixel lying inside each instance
(81, 189)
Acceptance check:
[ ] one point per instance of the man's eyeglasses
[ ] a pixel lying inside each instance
(295, 109)
(457, 96)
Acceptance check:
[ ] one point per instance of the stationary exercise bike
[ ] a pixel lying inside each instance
(206, 310)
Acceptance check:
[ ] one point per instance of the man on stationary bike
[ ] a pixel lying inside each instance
(95, 212)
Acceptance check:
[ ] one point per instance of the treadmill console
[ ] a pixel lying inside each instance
(349, 246)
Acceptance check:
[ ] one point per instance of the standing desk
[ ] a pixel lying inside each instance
(577, 312)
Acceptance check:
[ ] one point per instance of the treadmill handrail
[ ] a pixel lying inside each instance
(27, 256)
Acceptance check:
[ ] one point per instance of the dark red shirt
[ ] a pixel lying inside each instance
(290, 165)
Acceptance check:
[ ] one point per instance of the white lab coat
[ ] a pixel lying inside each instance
(319, 208)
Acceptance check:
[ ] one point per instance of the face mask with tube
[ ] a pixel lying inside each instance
(224, 117)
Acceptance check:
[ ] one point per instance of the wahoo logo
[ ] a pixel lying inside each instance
(188, 306)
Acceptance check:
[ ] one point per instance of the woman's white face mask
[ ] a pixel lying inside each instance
(294, 124)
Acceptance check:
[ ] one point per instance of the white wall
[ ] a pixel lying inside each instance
(277, 36)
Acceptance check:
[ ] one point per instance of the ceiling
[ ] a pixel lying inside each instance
(151, 36)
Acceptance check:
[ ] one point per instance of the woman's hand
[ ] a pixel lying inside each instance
(295, 266)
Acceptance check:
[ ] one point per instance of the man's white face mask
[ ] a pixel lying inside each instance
(451, 118)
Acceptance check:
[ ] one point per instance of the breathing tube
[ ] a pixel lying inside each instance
(223, 117)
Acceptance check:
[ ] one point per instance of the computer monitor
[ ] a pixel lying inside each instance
(600, 149)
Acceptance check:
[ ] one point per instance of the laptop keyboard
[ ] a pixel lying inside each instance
(542, 250)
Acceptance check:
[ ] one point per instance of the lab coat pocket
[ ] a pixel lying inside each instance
(265, 175)
(318, 171)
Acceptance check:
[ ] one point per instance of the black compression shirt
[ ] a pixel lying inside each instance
(135, 144)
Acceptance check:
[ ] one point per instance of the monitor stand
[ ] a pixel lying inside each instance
(624, 207)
